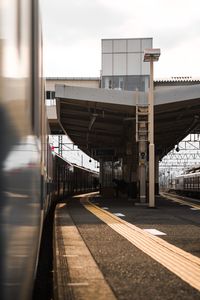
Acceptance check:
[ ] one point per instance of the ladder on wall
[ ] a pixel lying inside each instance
(141, 123)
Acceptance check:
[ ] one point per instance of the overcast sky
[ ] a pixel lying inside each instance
(73, 29)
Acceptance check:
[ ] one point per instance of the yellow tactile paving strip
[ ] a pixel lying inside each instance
(180, 201)
(181, 263)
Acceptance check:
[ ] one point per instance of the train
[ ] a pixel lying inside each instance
(32, 178)
(189, 183)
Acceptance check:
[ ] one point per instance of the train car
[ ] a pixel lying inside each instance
(21, 152)
(31, 178)
(71, 179)
(189, 183)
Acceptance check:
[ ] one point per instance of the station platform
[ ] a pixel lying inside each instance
(106, 248)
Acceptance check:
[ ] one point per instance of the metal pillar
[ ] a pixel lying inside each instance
(101, 173)
(142, 138)
(151, 140)
(151, 55)
(157, 175)
(142, 171)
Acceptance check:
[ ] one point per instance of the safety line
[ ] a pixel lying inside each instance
(178, 261)
(72, 279)
(177, 200)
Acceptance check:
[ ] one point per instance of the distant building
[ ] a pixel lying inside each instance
(122, 68)
(122, 64)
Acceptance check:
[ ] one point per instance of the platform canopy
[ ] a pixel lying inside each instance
(102, 121)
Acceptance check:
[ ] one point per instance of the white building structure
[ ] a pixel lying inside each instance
(122, 64)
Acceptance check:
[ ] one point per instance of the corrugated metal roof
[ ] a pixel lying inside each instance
(178, 79)
(183, 80)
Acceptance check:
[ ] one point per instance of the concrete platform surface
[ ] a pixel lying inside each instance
(113, 249)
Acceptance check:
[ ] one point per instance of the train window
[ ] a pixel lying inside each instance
(50, 95)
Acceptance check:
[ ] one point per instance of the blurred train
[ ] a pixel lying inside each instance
(31, 178)
(189, 183)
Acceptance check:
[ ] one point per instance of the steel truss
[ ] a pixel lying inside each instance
(184, 156)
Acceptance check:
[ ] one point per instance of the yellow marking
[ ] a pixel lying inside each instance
(180, 201)
(86, 195)
(178, 261)
(78, 284)
(14, 195)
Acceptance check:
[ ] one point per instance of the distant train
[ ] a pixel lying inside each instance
(31, 177)
(189, 183)
(70, 179)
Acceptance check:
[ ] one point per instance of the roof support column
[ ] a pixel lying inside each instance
(142, 171)
(142, 138)
(151, 55)
(151, 140)
(101, 173)
(157, 175)
(130, 176)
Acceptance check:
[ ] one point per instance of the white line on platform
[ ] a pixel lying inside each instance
(194, 208)
(70, 255)
(104, 207)
(78, 284)
(180, 201)
(119, 215)
(154, 232)
(178, 261)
